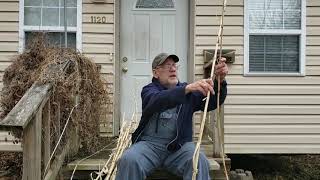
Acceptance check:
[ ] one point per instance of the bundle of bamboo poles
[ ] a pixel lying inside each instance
(109, 170)
(197, 149)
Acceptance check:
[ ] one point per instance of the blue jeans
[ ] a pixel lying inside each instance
(143, 157)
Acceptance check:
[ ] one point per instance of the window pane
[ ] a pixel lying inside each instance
(57, 39)
(273, 62)
(154, 4)
(71, 17)
(274, 20)
(72, 39)
(292, 20)
(290, 44)
(50, 14)
(257, 19)
(291, 4)
(54, 39)
(290, 63)
(256, 44)
(273, 44)
(50, 17)
(70, 3)
(275, 14)
(274, 53)
(256, 4)
(32, 3)
(256, 62)
(51, 3)
(273, 5)
(32, 16)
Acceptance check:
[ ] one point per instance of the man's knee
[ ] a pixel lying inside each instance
(129, 158)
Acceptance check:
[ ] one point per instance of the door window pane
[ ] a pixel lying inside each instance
(154, 4)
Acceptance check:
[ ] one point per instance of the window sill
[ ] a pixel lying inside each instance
(264, 74)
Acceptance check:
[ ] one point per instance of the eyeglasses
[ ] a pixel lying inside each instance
(169, 66)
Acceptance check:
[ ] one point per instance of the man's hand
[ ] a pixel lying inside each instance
(221, 69)
(203, 85)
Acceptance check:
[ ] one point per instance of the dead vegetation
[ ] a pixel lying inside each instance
(279, 167)
(81, 85)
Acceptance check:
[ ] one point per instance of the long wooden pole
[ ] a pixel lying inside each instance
(218, 105)
(197, 149)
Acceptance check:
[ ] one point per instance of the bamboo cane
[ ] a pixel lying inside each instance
(197, 149)
(218, 107)
(124, 141)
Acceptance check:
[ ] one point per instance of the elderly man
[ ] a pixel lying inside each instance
(164, 135)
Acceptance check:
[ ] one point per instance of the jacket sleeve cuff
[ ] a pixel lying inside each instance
(180, 93)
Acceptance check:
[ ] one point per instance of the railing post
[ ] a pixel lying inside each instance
(217, 141)
(32, 148)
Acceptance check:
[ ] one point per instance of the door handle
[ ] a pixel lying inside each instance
(124, 69)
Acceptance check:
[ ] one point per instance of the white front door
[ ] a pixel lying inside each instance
(147, 28)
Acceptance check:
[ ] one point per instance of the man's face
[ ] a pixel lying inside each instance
(167, 73)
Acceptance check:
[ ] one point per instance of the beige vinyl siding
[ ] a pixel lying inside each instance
(207, 23)
(264, 114)
(9, 43)
(98, 44)
(9, 33)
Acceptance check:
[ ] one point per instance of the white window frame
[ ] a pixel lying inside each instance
(301, 33)
(23, 28)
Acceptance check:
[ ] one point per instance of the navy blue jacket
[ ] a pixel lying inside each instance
(157, 98)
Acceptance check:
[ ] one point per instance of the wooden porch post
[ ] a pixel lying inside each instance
(32, 148)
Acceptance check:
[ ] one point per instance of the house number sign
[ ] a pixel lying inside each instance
(98, 19)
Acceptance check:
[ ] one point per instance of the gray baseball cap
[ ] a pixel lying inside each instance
(161, 58)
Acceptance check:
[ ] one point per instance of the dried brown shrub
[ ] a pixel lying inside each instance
(80, 84)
